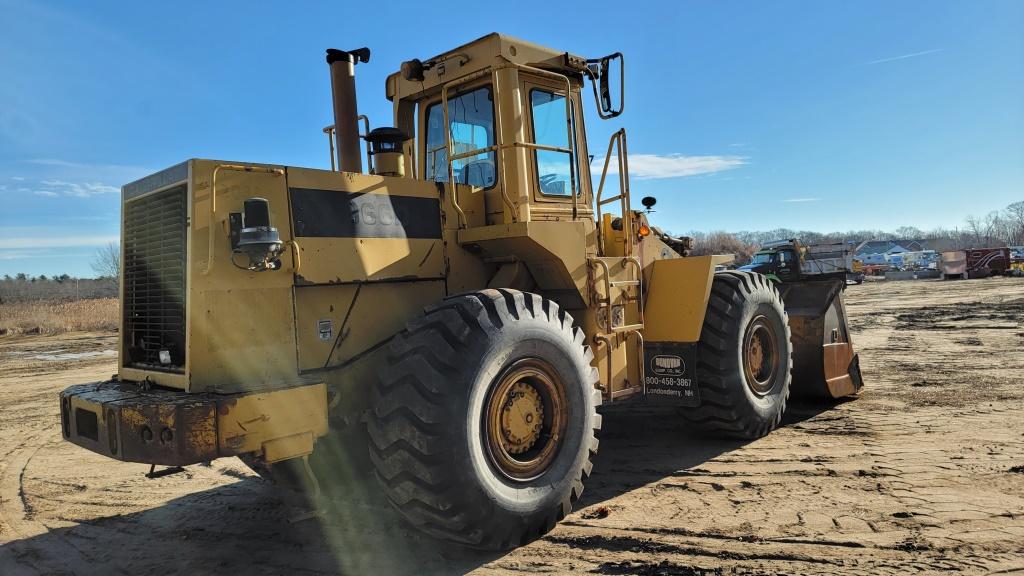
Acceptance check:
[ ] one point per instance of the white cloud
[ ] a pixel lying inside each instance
(46, 193)
(24, 254)
(22, 243)
(18, 178)
(83, 166)
(800, 200)
(903, 56)
(654, 166)
(79, 189)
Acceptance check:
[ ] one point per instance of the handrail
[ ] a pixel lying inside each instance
(617, 141)
(329, 131)
(608, 284)
(493, 147)
(366, 132)
(296, 256)
(640, 362)
(213, 200)
(604, 340)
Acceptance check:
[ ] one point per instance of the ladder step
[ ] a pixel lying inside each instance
(628, 328)
(625, 283)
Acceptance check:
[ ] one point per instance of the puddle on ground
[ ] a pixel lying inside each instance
(75, 355)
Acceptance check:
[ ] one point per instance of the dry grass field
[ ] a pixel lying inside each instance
(54, 317)
(922, 474)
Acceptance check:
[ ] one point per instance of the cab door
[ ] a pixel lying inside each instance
(787, 267)
(555, 170)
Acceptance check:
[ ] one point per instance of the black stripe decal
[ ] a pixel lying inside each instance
(334, 214)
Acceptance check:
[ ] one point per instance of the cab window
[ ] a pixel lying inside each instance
(471, 121)
(555, 169)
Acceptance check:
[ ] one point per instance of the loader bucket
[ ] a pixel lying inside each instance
(824, 363)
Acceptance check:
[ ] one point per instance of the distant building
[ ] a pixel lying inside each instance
(903, 253)
(873, 247)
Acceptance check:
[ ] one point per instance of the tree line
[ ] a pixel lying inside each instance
(997, 228)
(23, 288)
(106, 263)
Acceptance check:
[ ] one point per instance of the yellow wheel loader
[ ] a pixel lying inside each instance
(469, 300)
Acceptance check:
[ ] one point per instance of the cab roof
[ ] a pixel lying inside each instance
(491, 50)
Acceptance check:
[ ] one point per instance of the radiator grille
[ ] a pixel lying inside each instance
(154, 280)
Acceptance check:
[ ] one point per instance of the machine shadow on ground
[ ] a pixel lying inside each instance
(248, 526)
(643, 443)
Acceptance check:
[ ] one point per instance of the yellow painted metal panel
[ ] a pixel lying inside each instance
(219, 275)
(555, 251)
(379, 311)
(677, 298)
(239, 322)
(178, 381)
(253, 420)
(333, 260)
(243, 339)
(330, 259)
(293, 446)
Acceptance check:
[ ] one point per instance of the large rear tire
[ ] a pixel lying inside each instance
(484, 420)
(744, 358)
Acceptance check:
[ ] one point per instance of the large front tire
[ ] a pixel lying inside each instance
(484, 420)
(744, 358)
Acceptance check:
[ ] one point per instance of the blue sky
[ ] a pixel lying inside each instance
(741, 115)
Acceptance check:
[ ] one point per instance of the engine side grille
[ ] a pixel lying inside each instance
(154, 280)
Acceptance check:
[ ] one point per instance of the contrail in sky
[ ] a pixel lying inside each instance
(903, 57)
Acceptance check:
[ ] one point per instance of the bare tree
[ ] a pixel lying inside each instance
(908, 233)
(719, 242)
(107, 261)
(1015, 222)
(975, 226)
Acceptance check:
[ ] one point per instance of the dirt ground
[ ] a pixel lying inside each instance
(923, 473)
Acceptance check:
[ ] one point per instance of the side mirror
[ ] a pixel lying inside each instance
(648, 202)
(607, 72)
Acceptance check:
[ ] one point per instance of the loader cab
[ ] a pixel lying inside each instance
(503, 117)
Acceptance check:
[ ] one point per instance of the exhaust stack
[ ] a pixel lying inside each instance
(343, 90)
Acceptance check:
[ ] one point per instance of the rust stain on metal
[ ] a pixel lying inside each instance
(235, 442)
(133, 417)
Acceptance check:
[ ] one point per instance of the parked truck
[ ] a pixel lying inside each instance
(789, 260)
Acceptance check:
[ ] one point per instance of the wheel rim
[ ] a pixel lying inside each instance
(760, 360)
(524, 419)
